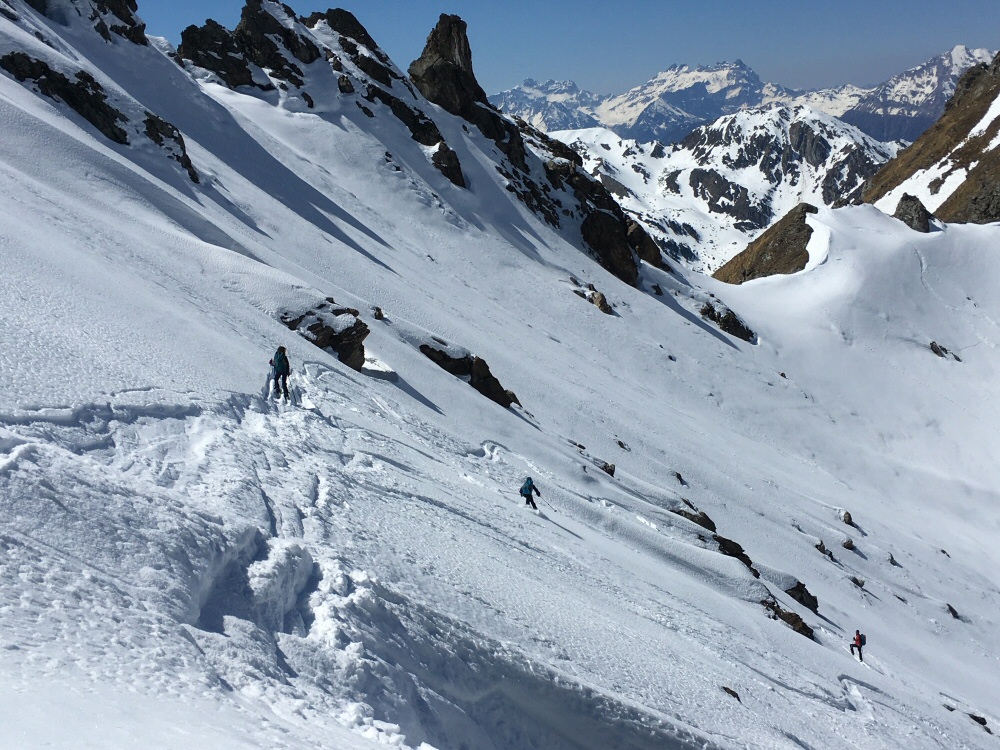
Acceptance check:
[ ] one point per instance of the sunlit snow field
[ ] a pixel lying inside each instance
(187, 562)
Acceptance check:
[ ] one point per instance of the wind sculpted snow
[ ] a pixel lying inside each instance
(186, 561)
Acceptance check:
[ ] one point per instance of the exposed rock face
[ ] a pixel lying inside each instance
(801, 594)
(330, 326)
(605, 234)
(122, 22)
(256, 33)
(447, 163)
(737, 174)
(443, 73)
(644, 245)
(912, 212)
(85, 96)
(214, 48)
(725, 197)
(168, 137)
(476, 370)
(793, 620)
(781, 249)
(731, 549)
(728, 321)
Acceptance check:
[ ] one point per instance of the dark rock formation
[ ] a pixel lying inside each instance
(912, 212)
(847, 544)
(801, 594)
(605, 234)
(607, 468)
(790, 618)
(729, 691)
(127, 25)
(330, 326)
(728, 321)
(781, 249)
(85, 96)
(160, 132)
(731, 549)
(443, 73)
(446, 161)
(476, 370)
(644, 245)
(256, 34)
(214, 48)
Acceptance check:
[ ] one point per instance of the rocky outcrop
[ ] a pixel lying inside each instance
(474, 368)
(443, 73)
(605, 234)
(731, 549)
(330, 326)
(258, 35)
(779, 250)
(794, 621)
(214, 48)
(728, 321)
(118, 17)
(283, 48)
(912, 212)
(109, 17)
(801, 594)
(169, 138)
(84, 95)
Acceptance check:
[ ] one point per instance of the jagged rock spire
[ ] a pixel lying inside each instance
(443, 72)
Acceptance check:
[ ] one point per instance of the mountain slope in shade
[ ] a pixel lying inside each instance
(707, 196)
(188, 562)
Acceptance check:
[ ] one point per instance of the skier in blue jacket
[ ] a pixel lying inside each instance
(526, 489)
(281, 371)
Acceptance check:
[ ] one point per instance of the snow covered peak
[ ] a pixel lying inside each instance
(908, 103)
(724, 183)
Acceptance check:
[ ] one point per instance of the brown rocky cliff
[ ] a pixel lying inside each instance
(976, 200)
(780, 250)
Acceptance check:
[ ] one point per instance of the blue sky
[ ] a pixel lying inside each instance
(608, 47)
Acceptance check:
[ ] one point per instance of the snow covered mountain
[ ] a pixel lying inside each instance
(681, 98)
(907, 104)
(187, 562)
(704, 198)
(552, 105)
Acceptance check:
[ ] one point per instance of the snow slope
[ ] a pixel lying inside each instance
(186, 561)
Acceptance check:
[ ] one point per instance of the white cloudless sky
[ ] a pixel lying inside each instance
(608, 47)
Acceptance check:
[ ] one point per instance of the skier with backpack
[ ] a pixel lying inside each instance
(526, 489)
(280, 369)
(857, 643)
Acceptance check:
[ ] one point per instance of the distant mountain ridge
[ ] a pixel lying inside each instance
(704, 198)
(673, 103)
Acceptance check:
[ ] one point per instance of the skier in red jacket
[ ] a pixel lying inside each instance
(857, 643)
